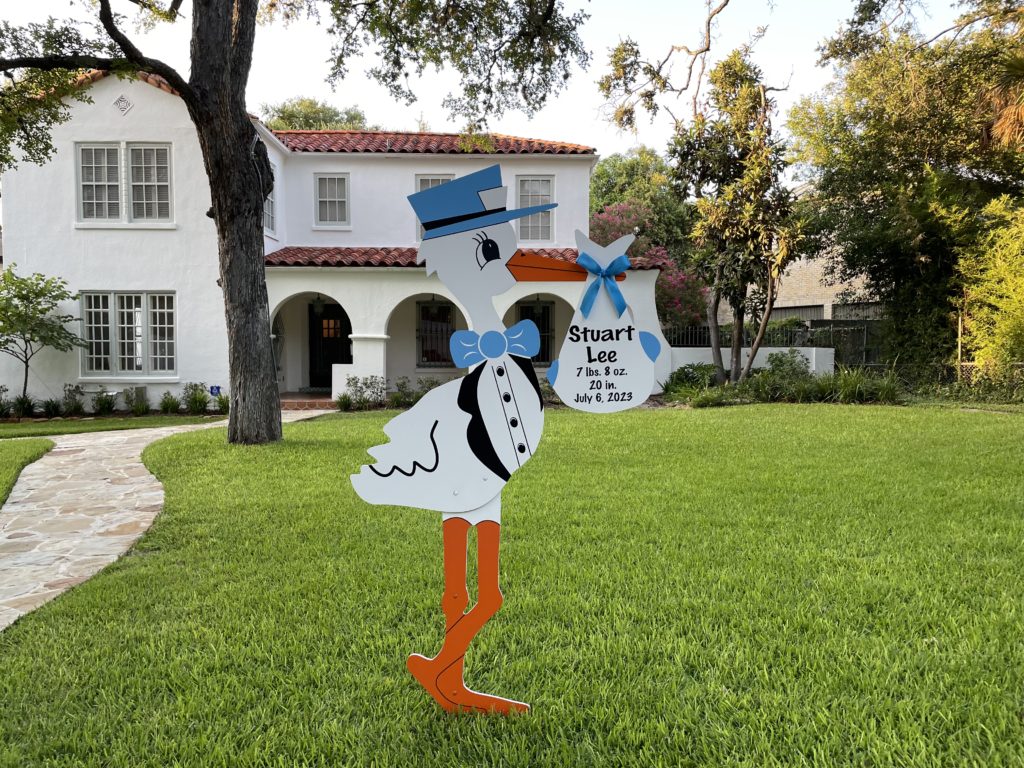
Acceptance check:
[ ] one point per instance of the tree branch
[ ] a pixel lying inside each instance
(48, 63)
(959, 28)
(136, 57)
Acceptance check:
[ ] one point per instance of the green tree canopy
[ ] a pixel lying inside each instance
(896, 143)
(642, 178)
(303, 113)
(992, 271)
(31, 318)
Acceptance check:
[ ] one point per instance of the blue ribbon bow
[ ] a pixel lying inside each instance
(469, 348)
(605, 277)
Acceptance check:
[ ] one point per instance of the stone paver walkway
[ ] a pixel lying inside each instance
(77, 509)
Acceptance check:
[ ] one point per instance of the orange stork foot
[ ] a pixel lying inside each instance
(447, 688)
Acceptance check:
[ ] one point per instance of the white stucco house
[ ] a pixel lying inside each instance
(120, 213)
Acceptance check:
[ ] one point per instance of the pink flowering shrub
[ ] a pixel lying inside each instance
(680, 295)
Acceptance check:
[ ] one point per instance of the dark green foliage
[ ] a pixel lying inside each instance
(51, 408)
(688, 381)
(366, 392)
(104, 403)
(5, 403)
(1000, 385)
(136, 401)
(73, 403)
(306, 114)
(222, 403)
(169, 403)
(343, 401)
(901, 164)
(195, 397)
(405, 395)
(643, 178)
(31, 318)
(23, 407)
(786, 379)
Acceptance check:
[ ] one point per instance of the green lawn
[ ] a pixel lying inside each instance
(14, 456)
(34, 428)
(764, 585)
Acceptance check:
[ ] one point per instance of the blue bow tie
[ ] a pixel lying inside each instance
(605, 277)
(469, 348)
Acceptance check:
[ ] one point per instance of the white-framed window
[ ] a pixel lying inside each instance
(129, 333)
(270, 205)
(99, 182)
(124, 183)
(429, 181)
(536, 190)
(332, 199)
(150, 177)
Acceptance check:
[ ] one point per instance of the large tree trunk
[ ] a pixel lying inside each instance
(737, 342)
(715, 330)
(240, 179)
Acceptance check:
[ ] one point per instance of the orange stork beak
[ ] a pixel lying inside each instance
(531, 267)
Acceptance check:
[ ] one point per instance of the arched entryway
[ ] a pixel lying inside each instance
(418, 330)
(551, 314)
(311, 334)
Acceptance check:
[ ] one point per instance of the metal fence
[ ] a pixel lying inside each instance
(855, 343)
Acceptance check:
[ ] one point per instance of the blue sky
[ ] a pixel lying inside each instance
(293, 61)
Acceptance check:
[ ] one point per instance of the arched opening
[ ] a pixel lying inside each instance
(311, 334)
(419, 330)
(551, 314)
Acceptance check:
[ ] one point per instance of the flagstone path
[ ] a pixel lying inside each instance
(77, 509)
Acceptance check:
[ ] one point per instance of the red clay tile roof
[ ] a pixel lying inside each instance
(308, 256)
(397, 142)
(91, 76)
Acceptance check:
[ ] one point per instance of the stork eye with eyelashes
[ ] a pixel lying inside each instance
(486, 249)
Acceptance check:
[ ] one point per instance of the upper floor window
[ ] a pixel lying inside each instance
(535, 190)
(99, 182)
(428, 181)
(332, 199)
(129, 334)
(151, 182)
(138, 192)
(270, 205)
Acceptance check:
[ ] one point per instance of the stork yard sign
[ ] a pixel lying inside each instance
(456, 448)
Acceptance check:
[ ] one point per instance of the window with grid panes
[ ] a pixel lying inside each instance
(99, 182)
(96, 321)
(429, 182)
(128, 333)
(150, 176)
(269, 208)
(332, 200)
(535, 190)
(161, 332)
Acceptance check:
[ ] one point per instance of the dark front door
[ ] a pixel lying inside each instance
(329, 343)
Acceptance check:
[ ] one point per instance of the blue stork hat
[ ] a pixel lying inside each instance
(472, 201)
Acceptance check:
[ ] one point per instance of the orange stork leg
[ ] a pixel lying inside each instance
(442, 676)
